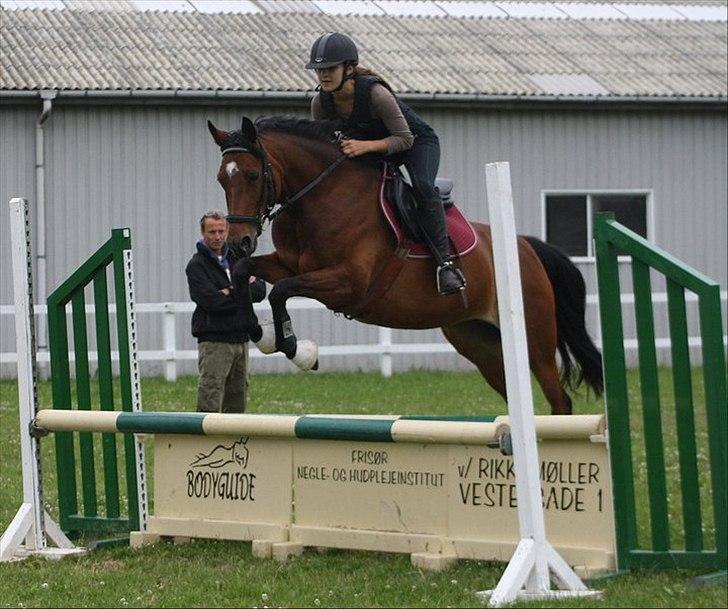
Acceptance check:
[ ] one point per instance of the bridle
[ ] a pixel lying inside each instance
(268, 200)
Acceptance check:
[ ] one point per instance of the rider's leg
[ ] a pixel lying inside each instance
(422, 163)
(432, 220)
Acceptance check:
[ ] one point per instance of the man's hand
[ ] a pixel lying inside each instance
(225, 291)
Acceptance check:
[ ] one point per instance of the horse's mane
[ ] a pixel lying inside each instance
(322, 130)
(317, 131)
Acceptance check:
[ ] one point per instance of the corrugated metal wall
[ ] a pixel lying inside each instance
(680, 156)
(153, 168)
(17, 179)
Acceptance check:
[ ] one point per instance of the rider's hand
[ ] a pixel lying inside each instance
(354, 148)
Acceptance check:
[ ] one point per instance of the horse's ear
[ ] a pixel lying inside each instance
(248, 130)
(219, 136)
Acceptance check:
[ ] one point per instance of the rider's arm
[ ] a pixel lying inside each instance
(385, 106)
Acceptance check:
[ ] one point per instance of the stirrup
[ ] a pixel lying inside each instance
(458, 274)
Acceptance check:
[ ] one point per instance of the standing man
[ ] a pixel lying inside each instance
(218, 322)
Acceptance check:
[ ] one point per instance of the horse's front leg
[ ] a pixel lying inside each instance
(270, 269)
(330, 286)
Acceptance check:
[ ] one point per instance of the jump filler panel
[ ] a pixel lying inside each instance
(439, 502)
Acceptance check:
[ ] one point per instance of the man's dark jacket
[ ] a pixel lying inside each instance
(217, 317)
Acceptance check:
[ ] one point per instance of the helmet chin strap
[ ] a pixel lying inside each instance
(344, 78)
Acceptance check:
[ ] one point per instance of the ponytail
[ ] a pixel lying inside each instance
(362, 71)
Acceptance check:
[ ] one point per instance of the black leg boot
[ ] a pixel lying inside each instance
(431, 216)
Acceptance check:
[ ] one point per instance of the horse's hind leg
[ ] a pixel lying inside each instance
(547, 375)
(479, 342)
(542, 343)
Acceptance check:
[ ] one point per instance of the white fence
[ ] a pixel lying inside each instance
(384, 347)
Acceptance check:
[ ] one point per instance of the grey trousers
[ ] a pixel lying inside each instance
(223, 382)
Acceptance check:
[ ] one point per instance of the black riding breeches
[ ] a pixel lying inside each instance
(422, 162)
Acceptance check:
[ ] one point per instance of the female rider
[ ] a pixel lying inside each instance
(376, 121)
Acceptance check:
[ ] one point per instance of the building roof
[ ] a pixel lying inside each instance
(115, 47)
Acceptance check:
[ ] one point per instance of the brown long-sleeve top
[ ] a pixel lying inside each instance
(383, 106)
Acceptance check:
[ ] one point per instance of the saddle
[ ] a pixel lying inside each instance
(398, 204)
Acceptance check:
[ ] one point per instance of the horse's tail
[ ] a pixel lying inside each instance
(573, 338)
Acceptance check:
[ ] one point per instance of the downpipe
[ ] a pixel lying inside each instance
(40, 205)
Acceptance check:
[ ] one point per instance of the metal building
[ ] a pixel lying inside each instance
(103, 110)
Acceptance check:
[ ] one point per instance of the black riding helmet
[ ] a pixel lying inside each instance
(331, 49)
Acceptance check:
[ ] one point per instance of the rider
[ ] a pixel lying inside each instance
(376, 121)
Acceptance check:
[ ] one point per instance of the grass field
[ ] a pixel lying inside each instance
(223, 574)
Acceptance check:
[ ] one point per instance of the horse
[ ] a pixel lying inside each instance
(332, 243)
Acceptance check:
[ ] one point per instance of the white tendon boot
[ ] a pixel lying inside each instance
(267, 342)
(306, 357)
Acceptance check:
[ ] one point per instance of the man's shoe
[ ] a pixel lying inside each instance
(450, 279)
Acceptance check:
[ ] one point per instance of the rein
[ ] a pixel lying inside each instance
(285, 204)
(268, 197)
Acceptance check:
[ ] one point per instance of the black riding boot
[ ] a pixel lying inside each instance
(431, 216)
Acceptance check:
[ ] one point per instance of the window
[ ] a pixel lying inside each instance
(566, 223)
(565, 217)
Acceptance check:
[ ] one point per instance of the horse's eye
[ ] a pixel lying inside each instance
(251, 176)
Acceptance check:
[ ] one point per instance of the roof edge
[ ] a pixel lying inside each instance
(227, 95)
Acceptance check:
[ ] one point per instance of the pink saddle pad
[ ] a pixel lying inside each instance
(463, 237)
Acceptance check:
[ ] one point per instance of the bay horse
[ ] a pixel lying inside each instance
(332, 243)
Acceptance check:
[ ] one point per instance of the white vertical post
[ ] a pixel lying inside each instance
(170, 344)
(136, 390)
(385, 359)
(527, 573)
(27, 397)
(31, 524)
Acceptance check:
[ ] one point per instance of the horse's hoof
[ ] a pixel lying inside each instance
(267, 342)
(306, 357)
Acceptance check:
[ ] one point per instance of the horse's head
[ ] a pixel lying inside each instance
(245, 177)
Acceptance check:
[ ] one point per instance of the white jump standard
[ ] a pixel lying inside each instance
(32, 528)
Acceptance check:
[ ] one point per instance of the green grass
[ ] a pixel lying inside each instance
(223, 574)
